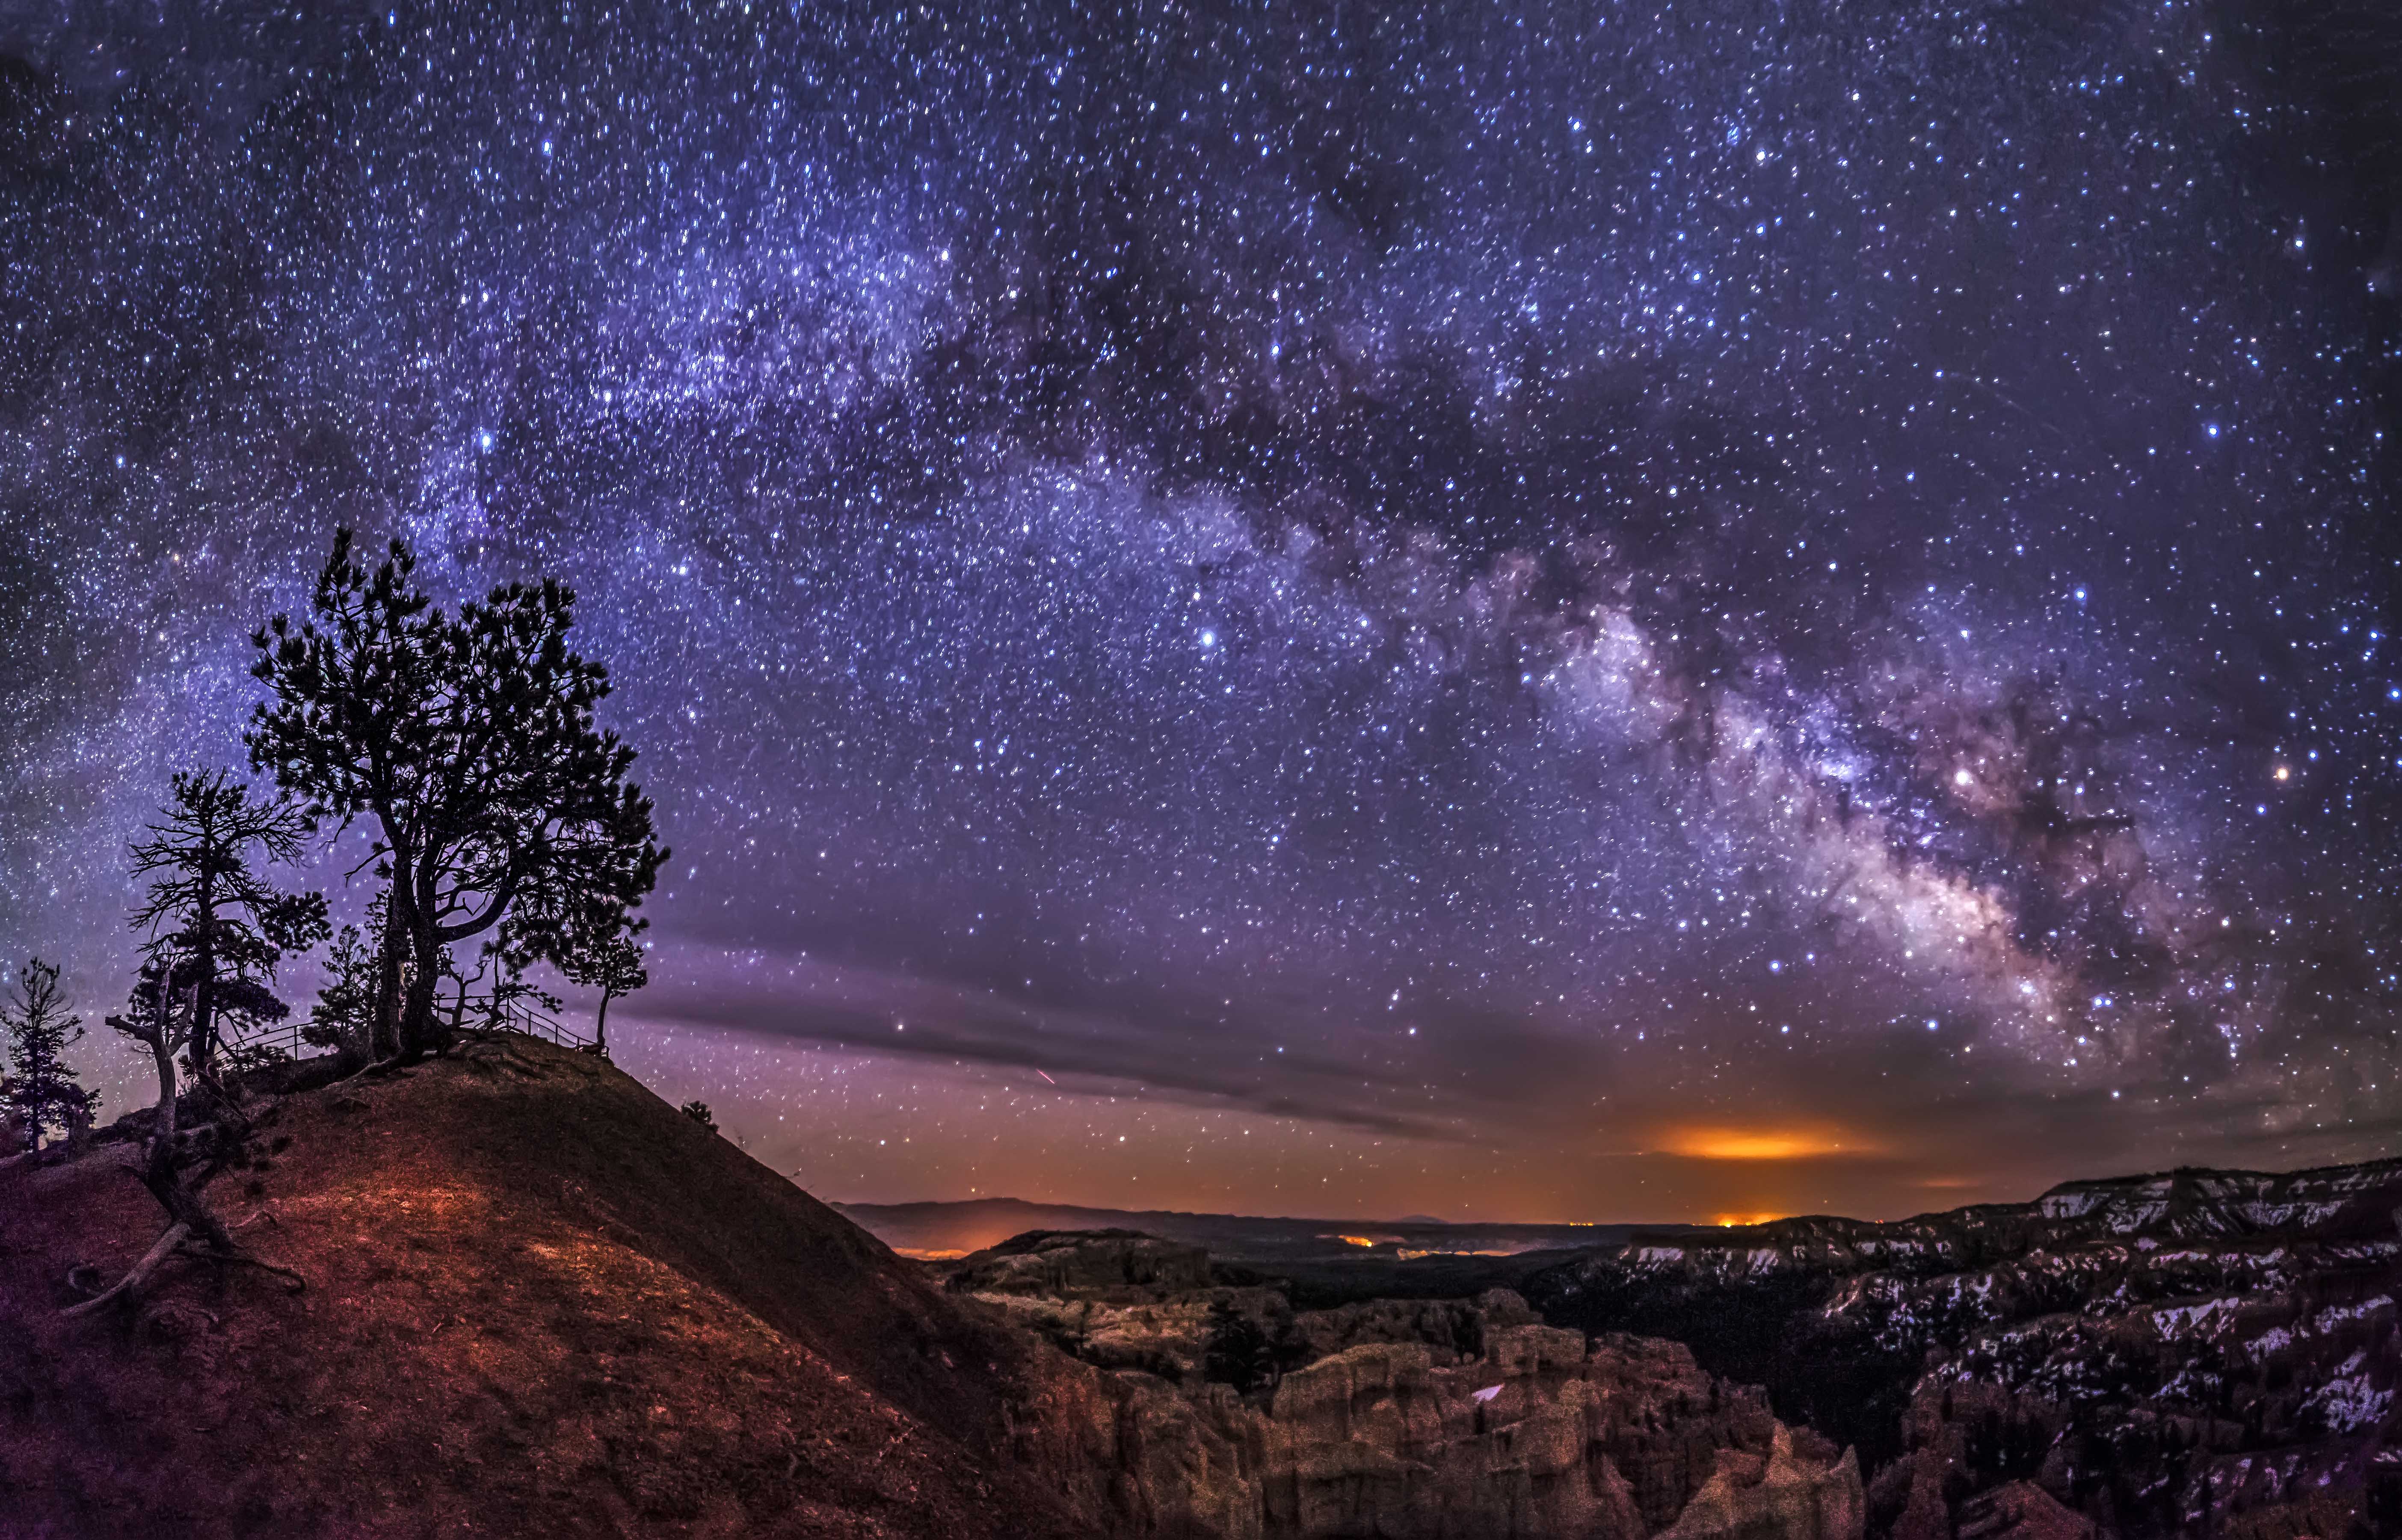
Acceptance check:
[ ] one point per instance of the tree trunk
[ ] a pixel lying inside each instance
(600, 1028)
(166, 1173)
(202, 1047)
(162, 1164)
(422, 1031)
(162, 1058)
(384, 1029)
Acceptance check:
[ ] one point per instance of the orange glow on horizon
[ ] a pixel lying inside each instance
(1728, 1221)
(1743, 1143)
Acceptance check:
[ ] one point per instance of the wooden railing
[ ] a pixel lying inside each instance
(524, 1016)
(518, 1015)
(282, 1036)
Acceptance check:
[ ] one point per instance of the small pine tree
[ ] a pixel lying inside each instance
(698, 1112)
(216, 933)
(343, 1018)
(43, 1094)
(615, 967)
(1234, 1350)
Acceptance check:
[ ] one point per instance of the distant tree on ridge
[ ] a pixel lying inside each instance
(615, 969)
(41, 1095)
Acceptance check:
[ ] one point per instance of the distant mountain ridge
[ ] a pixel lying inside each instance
(945, 1228)
(2182, 1203)
(2185, 1204)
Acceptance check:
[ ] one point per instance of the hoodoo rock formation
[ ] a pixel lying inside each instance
(1441, 1419)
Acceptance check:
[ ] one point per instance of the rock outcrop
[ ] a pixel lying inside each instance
(1074, 1263)
(1120, 1299)
(1777, 1498)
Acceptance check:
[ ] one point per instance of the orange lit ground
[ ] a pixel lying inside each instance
(541, 1302)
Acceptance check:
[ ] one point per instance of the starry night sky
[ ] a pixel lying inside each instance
(1533, 612)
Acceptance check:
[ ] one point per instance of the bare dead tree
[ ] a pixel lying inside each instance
(179, 1159)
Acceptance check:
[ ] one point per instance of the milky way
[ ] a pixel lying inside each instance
(1554, 613)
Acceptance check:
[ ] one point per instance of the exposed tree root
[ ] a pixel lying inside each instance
(241, 1257)
(130, 1287)
(379, 1068)
(179, 1239)
(480, 1050)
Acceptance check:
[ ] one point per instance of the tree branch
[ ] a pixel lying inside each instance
(491, 916)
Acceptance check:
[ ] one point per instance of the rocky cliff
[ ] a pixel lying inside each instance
(1539, 1440)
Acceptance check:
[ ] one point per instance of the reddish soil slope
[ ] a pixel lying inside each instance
(540, 1301)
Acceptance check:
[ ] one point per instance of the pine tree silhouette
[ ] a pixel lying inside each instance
(43, 1096)
(226, 925)
(216, 931)
(469, 742)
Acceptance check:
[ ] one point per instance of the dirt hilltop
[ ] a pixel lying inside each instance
(540, 1301)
